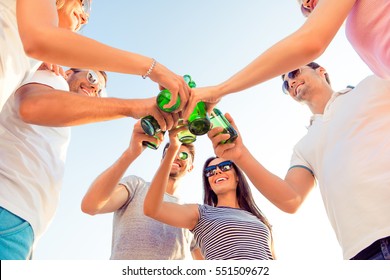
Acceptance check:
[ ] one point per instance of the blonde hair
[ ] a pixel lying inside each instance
(60, 3)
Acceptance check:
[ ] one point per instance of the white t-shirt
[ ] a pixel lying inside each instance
(348, 150)
(15, 66)
(32, 161)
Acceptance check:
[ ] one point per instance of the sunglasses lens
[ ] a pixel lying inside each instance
(305, 11)
(285, 87)
(210, 171)
(293, 74)
(86, 5)
(183, 155)
(225, 166)
(290, 75)
(92, 77)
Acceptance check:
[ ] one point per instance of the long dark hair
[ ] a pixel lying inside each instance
(243, 194)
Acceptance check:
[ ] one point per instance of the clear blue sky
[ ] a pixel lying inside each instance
(210, 40)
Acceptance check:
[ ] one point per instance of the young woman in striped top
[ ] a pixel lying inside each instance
(229, 226)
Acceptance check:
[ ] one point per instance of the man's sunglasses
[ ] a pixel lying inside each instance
(86, 6)
(183, 156)
(92, 78)
(223, 166)
(290, 75)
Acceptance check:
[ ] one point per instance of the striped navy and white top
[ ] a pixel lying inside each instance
(225, 233)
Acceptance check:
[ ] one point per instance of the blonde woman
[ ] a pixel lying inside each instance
(46, 29)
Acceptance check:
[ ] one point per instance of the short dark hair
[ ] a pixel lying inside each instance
(313, 65)
(191, 148)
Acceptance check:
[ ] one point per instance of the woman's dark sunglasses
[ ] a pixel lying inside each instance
(290, 75)
(223, 166)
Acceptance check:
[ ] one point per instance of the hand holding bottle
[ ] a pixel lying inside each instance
(198, 120)
(208, 95)
(175, 84)
(219, 120)
(139, 140)
(147, 107)
(222, 148)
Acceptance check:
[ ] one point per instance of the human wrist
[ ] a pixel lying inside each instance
(150, 69)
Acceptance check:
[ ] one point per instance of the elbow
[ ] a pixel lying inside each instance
(35, 41)
(316, 49)
(88, 209)
(312, 45)
(149, 211)
(34, 47)
(290, 207)
(28, 111)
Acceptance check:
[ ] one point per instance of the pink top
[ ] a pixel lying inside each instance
(368, 30)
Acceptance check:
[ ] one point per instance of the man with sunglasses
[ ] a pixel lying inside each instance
(33, 156)
(34, 135)
(345, 150)
(135, 236)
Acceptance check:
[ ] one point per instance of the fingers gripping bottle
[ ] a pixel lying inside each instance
(199, 121)
(164, 97)
(151, 127)
(219, 120)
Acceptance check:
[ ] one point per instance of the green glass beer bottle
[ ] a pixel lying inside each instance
(185, 136)
(219, 120)
(151, 127)
(199, 120)
(164, 97)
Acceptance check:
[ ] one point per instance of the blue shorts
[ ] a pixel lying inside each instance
(379, 250)
(16, 237)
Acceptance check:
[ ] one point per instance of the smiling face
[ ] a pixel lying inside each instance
(182, 164)
(71, 14)
(302, 84)
(223, 180)
(80, 82)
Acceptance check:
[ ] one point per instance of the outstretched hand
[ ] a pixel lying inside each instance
(138, 136)
(58, 70)
(231, 151)
(148, 107)
(174, 83)
(206, 94)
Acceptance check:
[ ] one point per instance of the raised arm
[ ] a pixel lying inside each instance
(43, 40)
(183, 216)
(300, 48)
(287, 194)
(42, 105)
(106, 194)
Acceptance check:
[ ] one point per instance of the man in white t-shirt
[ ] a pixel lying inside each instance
(34, 136)
(345, 150)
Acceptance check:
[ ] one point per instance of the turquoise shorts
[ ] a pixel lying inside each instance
(16, 237)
